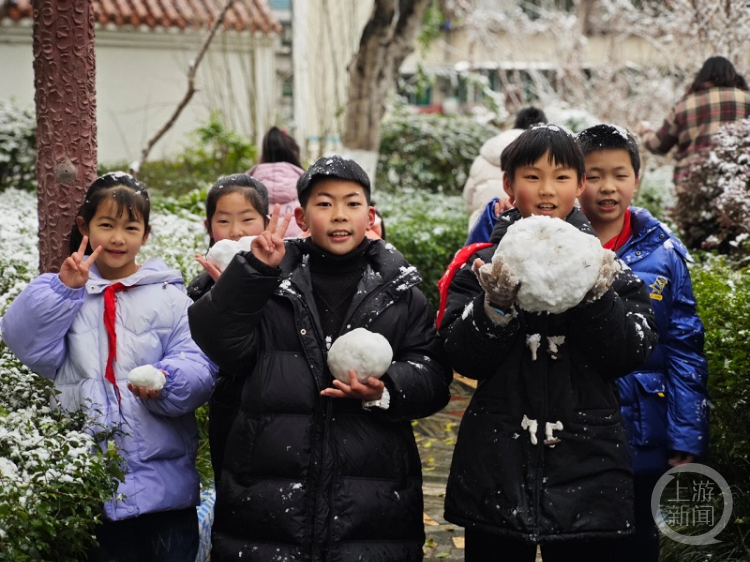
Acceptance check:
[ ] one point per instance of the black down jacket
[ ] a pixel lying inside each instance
(310, 478)
(547, 368)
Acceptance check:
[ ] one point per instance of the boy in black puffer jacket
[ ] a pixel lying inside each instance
(316, 469)
(541, 456)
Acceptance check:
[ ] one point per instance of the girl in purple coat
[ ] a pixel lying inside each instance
(87, 328)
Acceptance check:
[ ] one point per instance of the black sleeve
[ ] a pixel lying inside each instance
(419, 378)
(223, 321)
(472, 341)
(618, 331)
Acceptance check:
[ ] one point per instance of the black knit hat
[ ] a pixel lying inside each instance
(331, 167)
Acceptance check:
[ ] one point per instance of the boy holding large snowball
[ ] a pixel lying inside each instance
(316, 467)
(546, 320)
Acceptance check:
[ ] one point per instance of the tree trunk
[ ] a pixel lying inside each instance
(64, 81)
(387, 39)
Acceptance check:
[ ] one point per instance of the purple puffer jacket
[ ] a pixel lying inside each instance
(280, 178)
(59, 333)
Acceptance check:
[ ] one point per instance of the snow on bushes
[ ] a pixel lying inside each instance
(713, 209)
(53, 475)
(17, 146)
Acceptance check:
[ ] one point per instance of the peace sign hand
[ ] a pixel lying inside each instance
(268, 247)
(74, 271)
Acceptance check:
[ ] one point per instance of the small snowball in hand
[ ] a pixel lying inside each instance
(367, 353)
(147, 376)
(221, 253)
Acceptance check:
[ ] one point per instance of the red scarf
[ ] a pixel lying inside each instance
(621, 239)
(110, 308)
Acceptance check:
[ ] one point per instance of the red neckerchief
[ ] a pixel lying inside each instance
(621, 239)
(110, 307)
(458, 260)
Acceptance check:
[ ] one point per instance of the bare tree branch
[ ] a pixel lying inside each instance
(192, 70)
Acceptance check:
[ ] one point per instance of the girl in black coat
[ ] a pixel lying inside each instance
(236, 206)
(316, 469)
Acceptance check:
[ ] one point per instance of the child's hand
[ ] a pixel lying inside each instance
(499, 284)
(213, 271)
(371, 389)
(609, 269)
(146, 382)
(74, 271)
(144, 393)
(680, 458)
(502, 206)
(268, 247)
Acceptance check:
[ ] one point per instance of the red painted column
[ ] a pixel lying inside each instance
(65, 85)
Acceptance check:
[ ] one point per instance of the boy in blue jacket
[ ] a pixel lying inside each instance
(665, 402)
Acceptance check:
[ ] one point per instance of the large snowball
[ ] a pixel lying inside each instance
(148, 376)
(368, 353)
(556, 263)
(222, 252)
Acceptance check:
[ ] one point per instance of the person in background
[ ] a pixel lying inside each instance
(718, 95)
(86, 328)
(484, 187)
(236, 206)
(279, 170)
(541, 456)
(664, 403)
(377, 230)
(316, 468)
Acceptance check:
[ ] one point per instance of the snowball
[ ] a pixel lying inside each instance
(148, 376)
(367, 353)
(556, 263)
(222, 252)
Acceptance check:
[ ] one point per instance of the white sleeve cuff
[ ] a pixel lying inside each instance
(383, 402)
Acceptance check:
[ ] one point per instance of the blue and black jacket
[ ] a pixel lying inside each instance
(664, 403)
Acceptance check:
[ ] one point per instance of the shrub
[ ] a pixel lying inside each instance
(713, 210)
(722, 295)
(431, 152)
(656, 192)
(427, 228)
(17, 147)
(213, 151)
(54, 478)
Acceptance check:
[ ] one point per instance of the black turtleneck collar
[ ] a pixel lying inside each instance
(323, 261)
(334, 283)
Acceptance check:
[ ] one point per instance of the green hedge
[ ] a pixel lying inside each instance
(431, 152)
(722, 294)
(428, 228)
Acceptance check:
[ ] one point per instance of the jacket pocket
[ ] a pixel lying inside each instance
(650, 410)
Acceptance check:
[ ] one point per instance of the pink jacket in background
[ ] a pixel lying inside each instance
(280, 178)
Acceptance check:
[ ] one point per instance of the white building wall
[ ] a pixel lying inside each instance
(141, 77)
(326, 38)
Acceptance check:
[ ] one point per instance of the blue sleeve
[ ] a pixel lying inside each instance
(687, 370)
(482, 229)
(37, 321)
(190, 374)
